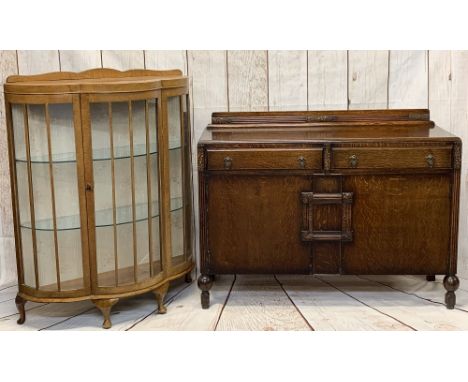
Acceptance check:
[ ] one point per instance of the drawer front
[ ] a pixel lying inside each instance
(387, 157)
(264, 159)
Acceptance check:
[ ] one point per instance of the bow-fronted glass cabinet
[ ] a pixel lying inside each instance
(100, 168)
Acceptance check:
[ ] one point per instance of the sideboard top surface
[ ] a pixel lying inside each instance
(95, 81)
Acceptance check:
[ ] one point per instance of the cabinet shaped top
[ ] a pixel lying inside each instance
(96, 81)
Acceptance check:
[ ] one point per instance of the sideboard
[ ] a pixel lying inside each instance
(364, 192)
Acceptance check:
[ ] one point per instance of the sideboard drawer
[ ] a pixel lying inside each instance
(264, 159)
(391, 157)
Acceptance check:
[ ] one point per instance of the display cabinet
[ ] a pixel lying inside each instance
(101, 181)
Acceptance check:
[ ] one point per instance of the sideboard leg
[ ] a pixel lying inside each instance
(451, 284)
(105, 305)
(188, 277)
(160, 293)
(430, 278)
(20, 302)
(205, 282)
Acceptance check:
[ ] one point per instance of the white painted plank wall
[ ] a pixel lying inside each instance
(276, 80)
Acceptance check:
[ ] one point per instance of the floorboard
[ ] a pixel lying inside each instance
(259, 303)
(326, 308)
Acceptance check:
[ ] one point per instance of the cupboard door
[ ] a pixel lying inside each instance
(125, 162)
(401, 224)
(47, 197)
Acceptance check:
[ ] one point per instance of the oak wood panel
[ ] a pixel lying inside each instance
(440, 87)
(38, 61)
(388, 207)
(287, 79)
(413, 311)
(166, 59)
(327, 80)
(259, 303)
(185, 312)
(391, 157)
(79, 60)
(266, 159)
(247, 80)
(123, 59)
(367, 79)
(256, 230)
(327, 308)
(408, 79)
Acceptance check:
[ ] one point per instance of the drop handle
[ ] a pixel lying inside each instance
(430, 160)
(353, 161)
(228, 163)
(302, 162)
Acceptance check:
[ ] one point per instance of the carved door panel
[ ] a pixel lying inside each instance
(400, 224)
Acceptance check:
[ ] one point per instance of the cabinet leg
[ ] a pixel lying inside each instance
(205, 282)
(105, 306)
(451, 284)
(160, 293)
(430, 278)
(188, 277)
(20, 302)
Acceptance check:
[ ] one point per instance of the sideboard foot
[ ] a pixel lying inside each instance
(430, 278)
(451, 284)
(205, 282)
(160, 293)
(20, 302)
(188, 277)
(105, 306)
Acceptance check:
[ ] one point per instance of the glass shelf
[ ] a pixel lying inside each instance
(103, 218)
(121, 152)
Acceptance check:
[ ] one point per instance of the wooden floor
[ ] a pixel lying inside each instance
(265, 303)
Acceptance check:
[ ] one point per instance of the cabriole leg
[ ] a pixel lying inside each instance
(105, 306)
(188, 277)
(20, 302)
(205, 282)
(430, 278)
(451, 284)
(160, 293)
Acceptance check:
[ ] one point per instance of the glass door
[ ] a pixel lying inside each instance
(47, 194)
(125, 167)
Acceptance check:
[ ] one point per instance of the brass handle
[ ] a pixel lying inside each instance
(353, 161)
(430, 160)
(228, 163)
(301, 162)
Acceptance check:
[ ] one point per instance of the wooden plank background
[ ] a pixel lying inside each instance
(273, 80)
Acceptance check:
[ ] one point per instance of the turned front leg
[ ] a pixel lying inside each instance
(105, 306)
(205, 282)
(451, 284)
(20, 302)
(160, 293)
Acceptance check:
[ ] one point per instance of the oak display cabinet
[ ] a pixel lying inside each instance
(101, 181)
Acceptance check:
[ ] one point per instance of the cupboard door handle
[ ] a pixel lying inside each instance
(301, 162)
(430, 160)
(353, 161)
(89, 187)
(228, 163)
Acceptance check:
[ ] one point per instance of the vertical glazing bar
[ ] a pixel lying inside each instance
(132, 172)
(183, 172)
(114, 209)
(148, 183)
(31, 194)
(52, 194)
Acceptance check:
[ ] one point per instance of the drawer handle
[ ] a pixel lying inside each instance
(353, 161)
(228, 163)
(430, 160)
(301, 161)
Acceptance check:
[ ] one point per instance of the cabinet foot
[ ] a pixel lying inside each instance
(430, 278)
(451, 284)
(160, 293)
(188, 277)
(105, 306)
(205, 282)
(20, 302)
